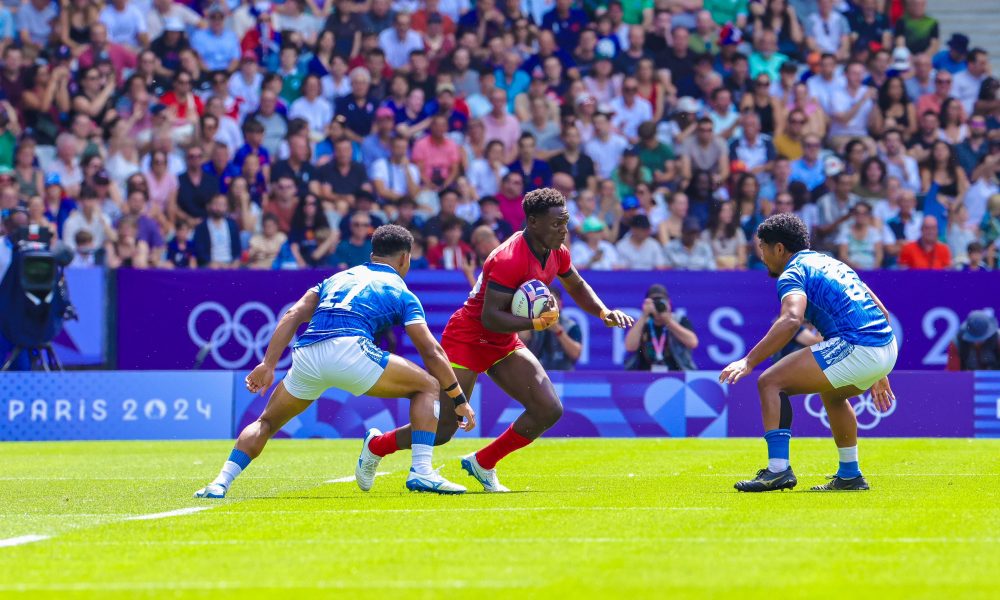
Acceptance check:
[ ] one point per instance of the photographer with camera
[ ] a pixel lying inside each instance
(659, 340)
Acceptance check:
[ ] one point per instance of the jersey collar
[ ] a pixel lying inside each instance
(374, 266)
(542, 258)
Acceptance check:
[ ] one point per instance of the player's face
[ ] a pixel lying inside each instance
(552, 229)
(774, 257)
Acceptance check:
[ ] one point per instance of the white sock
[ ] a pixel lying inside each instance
(777, 465)
(848, 455)
(229, 472)
(422, 455)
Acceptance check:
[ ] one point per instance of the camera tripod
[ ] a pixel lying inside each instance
(39, 361)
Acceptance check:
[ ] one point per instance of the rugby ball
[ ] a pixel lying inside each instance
(530, 299)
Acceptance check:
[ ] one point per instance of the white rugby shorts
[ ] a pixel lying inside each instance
(353, 364)
(861, 366)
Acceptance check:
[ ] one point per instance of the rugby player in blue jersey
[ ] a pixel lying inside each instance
(338, 350)
(858, 352)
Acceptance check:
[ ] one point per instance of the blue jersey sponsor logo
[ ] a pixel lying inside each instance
(361, 302)
(839, 305)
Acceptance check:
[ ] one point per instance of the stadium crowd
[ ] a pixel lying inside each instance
(182, 134)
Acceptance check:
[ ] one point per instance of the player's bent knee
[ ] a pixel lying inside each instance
(549, 413)
(444, 436)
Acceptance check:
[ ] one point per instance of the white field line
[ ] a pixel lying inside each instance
(336, 584)
(542, 540)
(23, 539)
(351, 478)
(450, 509)
(522, 475)
(170, 513)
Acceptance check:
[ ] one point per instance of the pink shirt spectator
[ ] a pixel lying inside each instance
(512, 209)
(161, 190)
(119, 56)
(507, 130)
(435, 158)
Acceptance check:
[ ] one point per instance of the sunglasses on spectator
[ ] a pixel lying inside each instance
(797, 121)
(763, 83)
(361, 224)
(942, 80)
(195, 156)
(784, 203)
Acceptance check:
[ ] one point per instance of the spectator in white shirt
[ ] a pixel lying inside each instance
(638, 250)
(396, 177)
(631, 110)
(245, 83)
(689, 252)
(851, 108)
(312, 107)
(164, 10)
(966, 84)
(90, 217)
(828, 30)
(899, 164)
(126, 24)
(486, 173)
(594, 252)
(823, 85)
(606, 147)
(399, 41)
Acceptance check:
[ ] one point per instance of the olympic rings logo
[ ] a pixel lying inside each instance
(864, 408)
(233, 332)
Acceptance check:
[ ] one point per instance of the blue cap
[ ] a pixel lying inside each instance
(52, 179)
(630, 202)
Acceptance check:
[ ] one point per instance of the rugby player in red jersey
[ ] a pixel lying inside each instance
(481, 337)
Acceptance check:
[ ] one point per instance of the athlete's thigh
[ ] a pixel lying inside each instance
(524, 379)
(282, 407)
(798, 373)
(834, 397)
(400, 379)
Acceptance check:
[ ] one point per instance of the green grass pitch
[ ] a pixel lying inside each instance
(591, 519)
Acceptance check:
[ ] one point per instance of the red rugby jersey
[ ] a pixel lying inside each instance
(510, 265)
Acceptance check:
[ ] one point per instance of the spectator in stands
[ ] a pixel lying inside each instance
(451, 252)
(217, 237)
(660, 339)
(536, 173)
(966, 84)
(593, 251)
(726, 238)
(917, 31)
(510, 198)
(977, 346)
(147, 229)
(438, 157)
(671, 227)
(559, 347)
(217, 46)
(860, 242)
(491, 217)
(311, 239)
(574, 161)
(689, 252)
(897, 162)
(704, 151)
(638, 250)
(89, 217)
(606, 147)
(835, 209)
(356, 249)
(926, 252)
(265, 245)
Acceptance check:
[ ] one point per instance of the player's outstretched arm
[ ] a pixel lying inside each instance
(587, 300)
(793, 310)
(260, 379)
(438, 365)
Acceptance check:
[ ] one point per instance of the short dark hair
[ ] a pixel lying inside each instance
(787, 229)
(253, 126)
(538, 202)
(390, 240)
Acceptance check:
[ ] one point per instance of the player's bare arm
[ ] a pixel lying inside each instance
(436, 363)
(587, 300)
(497, 316)
(793, 310)
(260, 379)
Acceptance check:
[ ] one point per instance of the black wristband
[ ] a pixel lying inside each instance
(451, 387)
(460, 399)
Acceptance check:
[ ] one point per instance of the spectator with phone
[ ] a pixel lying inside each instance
(660, 340)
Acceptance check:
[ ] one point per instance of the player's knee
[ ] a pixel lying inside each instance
(431, 385)
(767, 382)
(445, 433)
(550, 412)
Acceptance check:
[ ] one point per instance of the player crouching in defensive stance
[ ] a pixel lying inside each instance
(481, 337)
(858, 353)
(337, 350)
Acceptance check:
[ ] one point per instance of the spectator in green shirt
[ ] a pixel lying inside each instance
(656, 156)
(916, 30)
(728, 11)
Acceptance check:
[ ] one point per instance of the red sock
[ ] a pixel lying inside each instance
(385, 444)
(508, 442)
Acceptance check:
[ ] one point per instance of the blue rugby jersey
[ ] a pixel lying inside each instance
(360, 302)
(838, 303)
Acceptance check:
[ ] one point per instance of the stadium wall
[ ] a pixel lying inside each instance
(144, 405)
(223, 319)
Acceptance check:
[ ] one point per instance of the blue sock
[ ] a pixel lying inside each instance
(849, 468)
(238, 460)
(422, 448)
(777, 449)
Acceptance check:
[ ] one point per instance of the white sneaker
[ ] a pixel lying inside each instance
(487, 477)
(212, 490)
(432, 482)
(364, 473)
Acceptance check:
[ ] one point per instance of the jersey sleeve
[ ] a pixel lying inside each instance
(565, 261)
(505, 272)
(413, 311)
(792, 281)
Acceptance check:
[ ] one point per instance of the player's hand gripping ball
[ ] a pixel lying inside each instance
(532, 300)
